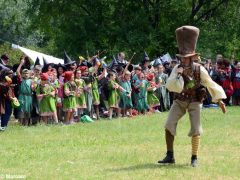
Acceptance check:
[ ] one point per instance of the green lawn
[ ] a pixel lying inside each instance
(122, 149)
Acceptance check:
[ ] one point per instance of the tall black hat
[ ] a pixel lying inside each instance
(146, 57)
(37, 62)
(86, 63)
(130, 67)
(67, 59)
(114, 64)
(157, 62)
(44, 62)
(45, 65)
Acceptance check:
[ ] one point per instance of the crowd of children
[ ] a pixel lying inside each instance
(66, 92)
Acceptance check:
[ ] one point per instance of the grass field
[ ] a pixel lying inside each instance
(122, 149)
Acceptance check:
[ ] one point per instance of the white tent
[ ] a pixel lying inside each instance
(162, 59)
(166, 58)
(33, 55)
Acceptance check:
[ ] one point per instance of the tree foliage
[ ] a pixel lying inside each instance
(15, 28)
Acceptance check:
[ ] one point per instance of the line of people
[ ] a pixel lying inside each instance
(65, 93)
(71, 91)
(227, 75)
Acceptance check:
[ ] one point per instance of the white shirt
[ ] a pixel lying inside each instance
(175, 84)
(3, 63)
(123, 61)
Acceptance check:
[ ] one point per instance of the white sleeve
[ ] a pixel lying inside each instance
(213, 88)
(175, 84)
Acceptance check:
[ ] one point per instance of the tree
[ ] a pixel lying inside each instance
(133, 26)
(14, 26)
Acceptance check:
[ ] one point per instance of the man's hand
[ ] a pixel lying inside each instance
(222, 106)
(179, 70)
(22, 61)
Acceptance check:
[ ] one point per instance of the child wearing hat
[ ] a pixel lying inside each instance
(25, 95)
(53, 79)
(69, 101)
(152, 99)
(46, 96)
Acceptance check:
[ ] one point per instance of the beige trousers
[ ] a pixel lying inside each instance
(178, 110)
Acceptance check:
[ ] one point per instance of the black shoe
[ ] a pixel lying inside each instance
(169, 159)
(194, 161)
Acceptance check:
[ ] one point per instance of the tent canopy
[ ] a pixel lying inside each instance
(33, 55)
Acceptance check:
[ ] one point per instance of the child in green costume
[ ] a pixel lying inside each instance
(69, 101)
(25, 95)
(95, 92)
(113, 93)
(46, 95)
(125, 96)
(81, 97)
(141, 96)
(153, 101)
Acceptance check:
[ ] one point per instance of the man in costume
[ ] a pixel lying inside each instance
(187, 81)
(4, 62)
(121, 58)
